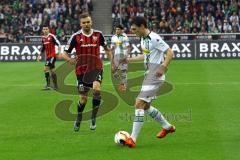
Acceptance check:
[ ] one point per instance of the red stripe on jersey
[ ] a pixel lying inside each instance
(97, 52)
(95, 59)
(89, 53)
(78, 50)
(84, 52)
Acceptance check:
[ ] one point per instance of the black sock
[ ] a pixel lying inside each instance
(47, 76)
(54, 79)
(95, 103)
(80, 108)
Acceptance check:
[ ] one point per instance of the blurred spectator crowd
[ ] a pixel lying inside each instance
(20, 18)
(180, 16)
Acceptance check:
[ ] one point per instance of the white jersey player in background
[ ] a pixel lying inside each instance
(120, 49)
(154, 49)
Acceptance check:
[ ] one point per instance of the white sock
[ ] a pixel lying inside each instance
(137, 124)
(157, 116)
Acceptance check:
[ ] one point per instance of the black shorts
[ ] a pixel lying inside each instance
(50, 62)
(85, 81)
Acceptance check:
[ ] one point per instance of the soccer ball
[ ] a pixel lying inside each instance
(120, 137)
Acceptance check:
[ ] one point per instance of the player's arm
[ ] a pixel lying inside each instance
(137, 58)
(107, 50)
(66, 57)
(168, 58)
(113, 47)
(164, 47)
(112, 50)
(128, 46)
(42, 52)
(57, 43)
(163, 67)
(140, 57)
(68, 50)
(129, 49)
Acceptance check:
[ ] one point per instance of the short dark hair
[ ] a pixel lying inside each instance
(119, 26)
(84, 15)
(138, 21)
(45, 25)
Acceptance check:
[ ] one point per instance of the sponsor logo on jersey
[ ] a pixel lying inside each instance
(89, 45)
(95, 38)
(145, 51)
(118, 42)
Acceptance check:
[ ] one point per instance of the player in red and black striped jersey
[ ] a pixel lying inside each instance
(89, 68)
(49, 41)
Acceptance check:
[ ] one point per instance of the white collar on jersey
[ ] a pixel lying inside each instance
(87, 35)
(148, 36)
(119, 35)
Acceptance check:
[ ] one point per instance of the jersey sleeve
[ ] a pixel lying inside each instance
(56, 41)
(160, 44)
(126, 41)
(71, 44)
(43, 47)
(102, 40)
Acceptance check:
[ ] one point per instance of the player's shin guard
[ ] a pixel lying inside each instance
(95, 103)
(47, 77)
(80, 108)
(137, 124)
(157, 116)
(54, 79)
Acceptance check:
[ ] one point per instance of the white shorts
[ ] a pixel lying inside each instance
(150, 87)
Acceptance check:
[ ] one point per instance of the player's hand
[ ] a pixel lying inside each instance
(39, 58)
(72, 61)
(162, 69)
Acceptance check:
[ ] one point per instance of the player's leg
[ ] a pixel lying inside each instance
(83, 92)
(148, 93)
(96, 101)
(123, 81)
(53, 74)
(54, 78)
(158, 116)
(138, 118)
(115, 70)
(47, 76)
(80, 108)
(140, 105)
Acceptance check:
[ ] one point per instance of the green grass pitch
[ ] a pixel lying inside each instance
(204, 106)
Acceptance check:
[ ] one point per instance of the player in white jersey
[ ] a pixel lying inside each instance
(153, 49)
(120, 49)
